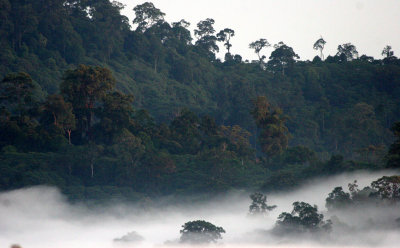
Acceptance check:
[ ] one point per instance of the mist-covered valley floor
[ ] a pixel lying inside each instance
(41, 217)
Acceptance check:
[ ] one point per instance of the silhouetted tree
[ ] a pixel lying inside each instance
(146, 15)
(258, 45)
(200, 232)
(259, 205)
(319, 45)
(347, 51)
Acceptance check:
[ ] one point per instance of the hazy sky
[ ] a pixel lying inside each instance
(368, 24)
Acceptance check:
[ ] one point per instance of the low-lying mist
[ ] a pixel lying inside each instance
(41, 217)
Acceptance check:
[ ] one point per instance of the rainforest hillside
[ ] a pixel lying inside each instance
(97, 105)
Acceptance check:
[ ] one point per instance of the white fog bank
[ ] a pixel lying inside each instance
(40, 217)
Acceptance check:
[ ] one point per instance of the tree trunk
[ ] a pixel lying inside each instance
(55, 119)
(69, 136)
(155, 64)
(92, 168)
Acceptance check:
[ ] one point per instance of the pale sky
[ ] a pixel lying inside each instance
(368, 24)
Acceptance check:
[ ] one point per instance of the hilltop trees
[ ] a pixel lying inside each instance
(319, 45)
(282, 57)
(258, 45)
(387, 52)
(147, 15)
(205, 35)
(225, 36)
(347, 52)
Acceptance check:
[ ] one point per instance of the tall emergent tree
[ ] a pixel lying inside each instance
(387, 51)
(84, 87)
(225, 36)
(347, 51)
(181, 32)
(258, 45)
(282, 57)
(205, 35)
(274, 135)
(146, 15)
(319, 45)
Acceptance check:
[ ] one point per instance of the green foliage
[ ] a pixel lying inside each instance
(274, 134)
(146, 15)
(190, 128)
(200, 232)
(258, 45)
(393, 156)
(281, 58)
(84, 87)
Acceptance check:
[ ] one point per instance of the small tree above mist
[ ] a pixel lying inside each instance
(303, 218)
(200, 232)
(259, 205)
(338, 199)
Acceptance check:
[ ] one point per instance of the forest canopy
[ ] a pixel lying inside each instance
(100, 106)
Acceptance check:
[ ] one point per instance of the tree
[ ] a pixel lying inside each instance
(238, 139)
(185, 130)
(205, 35)
(225, 36)
(181, 32)
(338, 199)
(388, 188)
(347, 51)
(319, 45)
(259, 205)
(393, 156)
(387, 51)
(146, 15)
(116, 113)
(258, 45)
(389, 55)
(282, 57)
(61, 112)
(274, 134)
(16, 92)
(303, 218)
(200, 232)
(84, 87)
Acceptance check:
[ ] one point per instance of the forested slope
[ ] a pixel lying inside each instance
(192, 101)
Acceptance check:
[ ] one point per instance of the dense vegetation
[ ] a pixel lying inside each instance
(98, 108)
